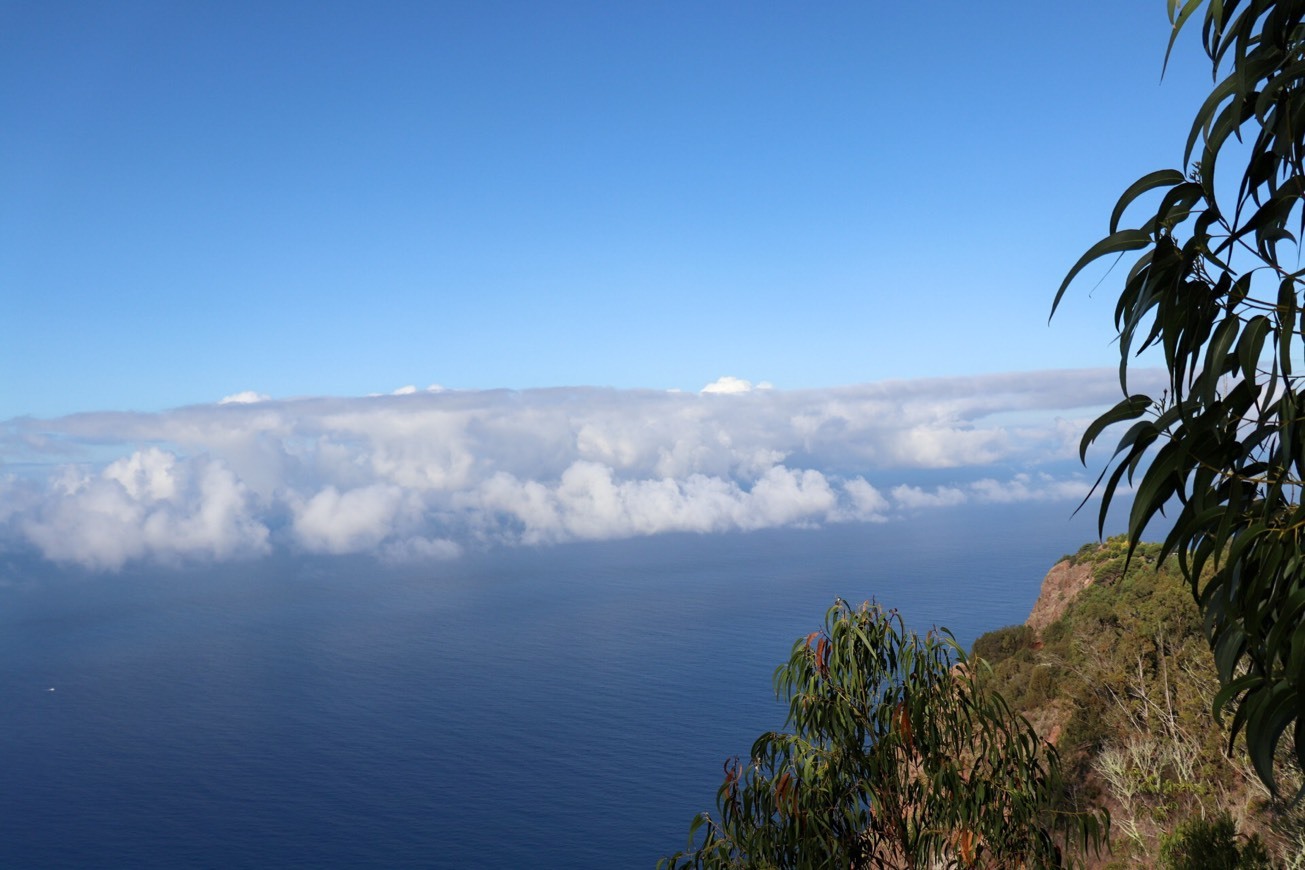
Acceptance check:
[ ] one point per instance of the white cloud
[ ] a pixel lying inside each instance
(1021, 487)
(426, 474)
(359, 519)
(728, 384)
(915, 498)
(149, 473)
(146, 504)
(589, 503)
(867, 503)
(248, 397)
(1030, 487)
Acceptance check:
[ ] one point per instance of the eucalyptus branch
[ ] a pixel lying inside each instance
(1210, 325)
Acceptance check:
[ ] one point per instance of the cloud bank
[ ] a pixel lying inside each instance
(427, 474)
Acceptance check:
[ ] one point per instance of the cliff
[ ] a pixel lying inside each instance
(1063, 583)
(1112, 667)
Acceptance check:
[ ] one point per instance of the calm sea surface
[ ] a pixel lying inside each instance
(559, 707)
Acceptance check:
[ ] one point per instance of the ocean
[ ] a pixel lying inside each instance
(565, 706)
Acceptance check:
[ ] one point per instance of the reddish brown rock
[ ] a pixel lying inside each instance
(1062, 584)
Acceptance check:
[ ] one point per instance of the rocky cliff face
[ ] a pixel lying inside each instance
(1062, 584)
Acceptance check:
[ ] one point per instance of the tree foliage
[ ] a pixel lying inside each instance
(897, 758)
(1216, 287)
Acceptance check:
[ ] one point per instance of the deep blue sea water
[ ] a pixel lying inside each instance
(555, 707)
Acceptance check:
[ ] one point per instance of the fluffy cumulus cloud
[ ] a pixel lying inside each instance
(589, 502)
(348, 522)
(149, 503)
(425, 474)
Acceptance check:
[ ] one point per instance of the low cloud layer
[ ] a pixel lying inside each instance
(427, 474)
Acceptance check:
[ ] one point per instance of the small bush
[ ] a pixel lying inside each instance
(996, 646)
(1205, 844)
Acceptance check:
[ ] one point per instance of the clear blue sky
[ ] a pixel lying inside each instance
(323, 198)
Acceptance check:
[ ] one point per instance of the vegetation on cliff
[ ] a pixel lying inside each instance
(1041, 748)
(1122, 683)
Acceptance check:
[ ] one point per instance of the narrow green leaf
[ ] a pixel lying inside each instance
(1222, 92)
(1129, 408)
(1150, 181)
(1216, 352)
(1251, 345)
(1188, 8)
(1116, 243)
(1265, 725)
(1289, 619)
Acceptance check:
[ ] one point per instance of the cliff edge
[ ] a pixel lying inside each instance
(1066, 579)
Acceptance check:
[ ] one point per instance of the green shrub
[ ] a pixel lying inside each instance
(997, 646)
(1212, 844)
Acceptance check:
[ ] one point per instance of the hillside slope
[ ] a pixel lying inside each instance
(1113, 668)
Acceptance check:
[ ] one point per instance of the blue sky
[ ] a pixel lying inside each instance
(325, 198)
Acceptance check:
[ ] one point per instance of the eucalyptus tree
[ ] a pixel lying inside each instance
(898, 757)
(1214, 284)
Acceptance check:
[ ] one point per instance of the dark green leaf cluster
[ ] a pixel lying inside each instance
(897, 757)
(999, 645)
(1216, 289)
(1213, 844)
